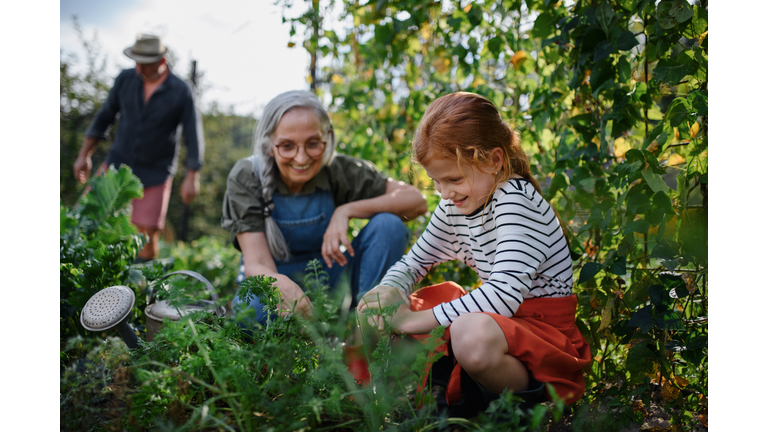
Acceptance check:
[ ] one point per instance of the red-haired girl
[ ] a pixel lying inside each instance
(516, 331)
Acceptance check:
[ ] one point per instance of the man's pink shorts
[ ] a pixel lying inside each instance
(150, 210)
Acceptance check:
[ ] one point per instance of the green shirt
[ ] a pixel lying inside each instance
(348, 178)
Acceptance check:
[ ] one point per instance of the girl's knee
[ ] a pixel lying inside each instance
(477, 341)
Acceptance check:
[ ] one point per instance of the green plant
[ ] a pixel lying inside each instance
(610, 99)
(97, 244)
(204, 372)
(213, 257)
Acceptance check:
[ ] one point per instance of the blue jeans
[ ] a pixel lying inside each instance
(379, 245)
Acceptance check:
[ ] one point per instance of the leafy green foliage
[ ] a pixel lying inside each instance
(610, 99)
(611, 103)
(204, 372)
(213, 257)
(97, 244)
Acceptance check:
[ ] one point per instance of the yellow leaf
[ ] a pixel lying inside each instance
(682, 382)
(675, 159)
(653, 147)
(669, 392)
(621, 147)
(654, 374)
(703, 35)
(694, 130)
(337, 79)
(518, 59)
(441, 64)
(605, 315)
(291, 44)
(426, 32)
(467, 8)
(478, 81)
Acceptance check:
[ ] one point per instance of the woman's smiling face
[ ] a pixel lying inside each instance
(299, 127)
(468, 192)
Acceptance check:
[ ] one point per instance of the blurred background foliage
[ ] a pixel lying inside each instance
(610, 99)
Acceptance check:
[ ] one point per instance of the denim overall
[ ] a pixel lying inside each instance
(303, 220)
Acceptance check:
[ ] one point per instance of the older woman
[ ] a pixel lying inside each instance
(292, 201)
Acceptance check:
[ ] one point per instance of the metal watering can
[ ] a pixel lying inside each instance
(110, 308)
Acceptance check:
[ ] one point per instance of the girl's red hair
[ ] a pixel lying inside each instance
(467, 127)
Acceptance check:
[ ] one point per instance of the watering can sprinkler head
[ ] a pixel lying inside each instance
(110, 308)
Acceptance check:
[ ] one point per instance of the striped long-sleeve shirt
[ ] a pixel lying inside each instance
(515, 245)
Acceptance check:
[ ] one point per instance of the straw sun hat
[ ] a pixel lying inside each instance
(147, 49)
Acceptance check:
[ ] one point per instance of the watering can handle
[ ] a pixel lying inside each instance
(220, 311)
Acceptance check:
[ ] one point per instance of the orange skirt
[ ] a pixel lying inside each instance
(542, 334)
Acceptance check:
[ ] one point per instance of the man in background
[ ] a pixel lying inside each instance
(156, 108)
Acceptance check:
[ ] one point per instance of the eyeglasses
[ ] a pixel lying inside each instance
(314, 149)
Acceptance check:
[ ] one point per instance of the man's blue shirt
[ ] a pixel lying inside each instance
(148, 136)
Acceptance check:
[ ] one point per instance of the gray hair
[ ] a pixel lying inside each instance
(262, 148)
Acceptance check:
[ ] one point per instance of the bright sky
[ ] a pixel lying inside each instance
(240, 45)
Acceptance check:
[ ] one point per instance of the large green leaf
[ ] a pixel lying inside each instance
(665, 249)
(698, 24)
(638, 202)
(601, 72)
(678, 112)
(626, 41)
(544, 25)
(699, 103)
(672, 71)
(637, 226)
(619, 267)
(110, 193)
(659, 295)
(642, 319)
(559, 182)
(589, 271)
(602, 51)
(640, 358)
(655, 181)
(668, 320)
(604, 14)
(672, 12)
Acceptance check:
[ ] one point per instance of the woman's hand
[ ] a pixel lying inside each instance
(294, 298)
(335, 236)
(258, 261)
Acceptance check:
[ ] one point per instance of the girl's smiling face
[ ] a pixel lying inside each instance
(468, 192)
